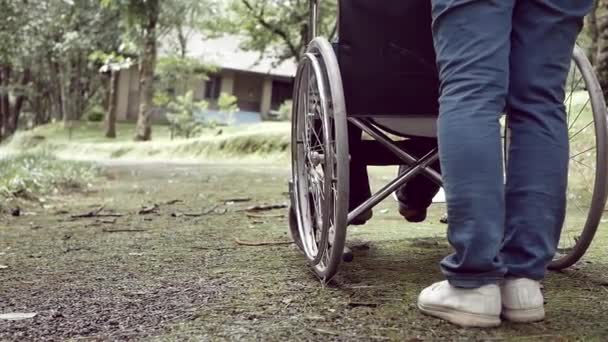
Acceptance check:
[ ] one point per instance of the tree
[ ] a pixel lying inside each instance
(181, 19)
(280, 27)
(43, 58)
(602, 45)
(142, 16)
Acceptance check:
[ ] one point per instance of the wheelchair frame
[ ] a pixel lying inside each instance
(324, 246)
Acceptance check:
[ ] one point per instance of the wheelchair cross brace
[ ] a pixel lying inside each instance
(415, 166)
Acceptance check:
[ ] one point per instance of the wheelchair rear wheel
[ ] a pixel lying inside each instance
(586, 117)
(587, 178)
(319, 160)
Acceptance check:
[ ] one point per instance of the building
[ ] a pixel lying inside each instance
(259, 84)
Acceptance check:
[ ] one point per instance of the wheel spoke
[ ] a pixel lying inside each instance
(579, 114)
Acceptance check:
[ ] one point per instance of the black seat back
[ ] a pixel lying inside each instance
(386, 57)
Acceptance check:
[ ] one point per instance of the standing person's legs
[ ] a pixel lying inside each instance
(472, 42)
(544, 33)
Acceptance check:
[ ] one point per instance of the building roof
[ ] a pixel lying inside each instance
(226, 53)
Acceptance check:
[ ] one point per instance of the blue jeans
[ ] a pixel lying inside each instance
(497, 56)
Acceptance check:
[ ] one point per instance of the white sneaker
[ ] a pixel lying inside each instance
(465, 307)
(522, 300)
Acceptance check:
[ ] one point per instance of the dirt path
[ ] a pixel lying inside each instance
(175, 272)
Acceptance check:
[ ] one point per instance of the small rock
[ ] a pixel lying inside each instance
(16, 211)
(18, 316)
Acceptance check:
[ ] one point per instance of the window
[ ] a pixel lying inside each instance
(213, 87)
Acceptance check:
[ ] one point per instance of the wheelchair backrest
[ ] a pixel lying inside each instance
(387, 59)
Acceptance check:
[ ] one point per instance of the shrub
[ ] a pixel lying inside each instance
(285, 111)
(181, 115)
(31, 175)
(95, 114)
(228, 106)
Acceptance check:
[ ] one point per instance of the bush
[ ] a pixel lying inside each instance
(181, 115)
(96, 114)
(285, 111)
(31, 175)
(228, 106)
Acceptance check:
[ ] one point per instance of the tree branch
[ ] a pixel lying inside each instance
(272, 28)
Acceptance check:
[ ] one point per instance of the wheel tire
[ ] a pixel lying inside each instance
(600, 187)
(321, 216)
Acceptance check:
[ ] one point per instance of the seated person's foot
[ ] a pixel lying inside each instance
(412, 214)
(362, 218)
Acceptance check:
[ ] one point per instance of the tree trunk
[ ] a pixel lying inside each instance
(112, 104)
(26, 78)
(591, 24)
(146, 73)
(56, 92)
(4, 99)
(183, 42)
(602, 45)
(6, 102)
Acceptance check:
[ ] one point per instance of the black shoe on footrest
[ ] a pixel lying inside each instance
(363, 218)
(411, 214)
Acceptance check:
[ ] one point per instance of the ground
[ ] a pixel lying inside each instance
(176, 271)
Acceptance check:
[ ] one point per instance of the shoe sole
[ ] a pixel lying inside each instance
(524, 315)
(363, 218)
(463, 319)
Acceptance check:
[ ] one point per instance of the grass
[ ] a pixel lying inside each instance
(32, 175)
(172, 278)
(269, 140)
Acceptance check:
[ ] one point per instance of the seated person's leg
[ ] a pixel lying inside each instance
(359, 181)
(417, 194)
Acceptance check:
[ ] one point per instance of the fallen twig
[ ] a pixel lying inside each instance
(92, 213)
(122, 230)
(262, 243)
(149, 209)
(173, 201)
(211, 248)
(254, 215)
(237, 200)
(96, 213)
(203, 213)
(265, 207)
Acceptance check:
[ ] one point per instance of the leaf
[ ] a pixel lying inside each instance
(18, 316)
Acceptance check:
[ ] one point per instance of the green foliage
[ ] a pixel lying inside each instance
(228, 106)
(135, 10)
(176, 75)
(182, 113)
(111, 61)
(285, 110)
(279, 27)
(33, 175)
(95, 114)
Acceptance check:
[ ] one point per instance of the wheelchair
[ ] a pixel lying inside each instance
(380, 76)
